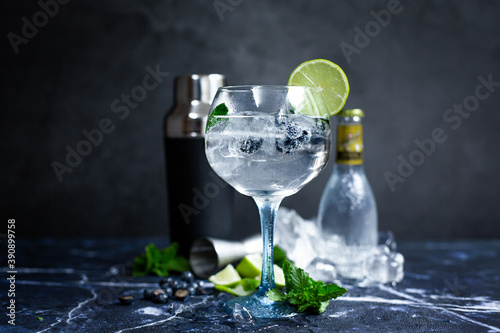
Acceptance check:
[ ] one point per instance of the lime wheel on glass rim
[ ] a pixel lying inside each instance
(330, 81)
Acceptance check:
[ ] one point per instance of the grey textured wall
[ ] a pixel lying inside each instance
(421, 68)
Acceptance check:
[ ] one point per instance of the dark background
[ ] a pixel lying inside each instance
(65, 78)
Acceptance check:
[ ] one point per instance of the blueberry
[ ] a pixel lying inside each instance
(161, 298)
(169, 291)
(192, 291)
(126, 299)
(294, 138)
(148, 293)
(293, 130)
(187, 276)
(205, 287)
(175, 284)
(250, 145)
(305, 137)
(204, 284)
(183, 285)
(196, 287)
(287, 146)
(166, 282)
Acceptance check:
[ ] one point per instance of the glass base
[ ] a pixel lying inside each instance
(259, 307)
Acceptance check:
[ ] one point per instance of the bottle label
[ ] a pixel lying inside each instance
(350, 144)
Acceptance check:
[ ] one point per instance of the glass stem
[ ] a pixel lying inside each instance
(268, 207)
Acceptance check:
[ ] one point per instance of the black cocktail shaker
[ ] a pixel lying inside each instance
(200, 203)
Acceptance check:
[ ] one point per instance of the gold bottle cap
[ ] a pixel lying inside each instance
(351, 113)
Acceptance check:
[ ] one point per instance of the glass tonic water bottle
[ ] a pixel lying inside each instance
(347, 212)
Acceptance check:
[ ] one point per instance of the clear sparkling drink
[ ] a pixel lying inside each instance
(268, 154)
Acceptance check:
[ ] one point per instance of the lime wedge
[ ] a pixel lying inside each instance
(244, 287)
(332, 84)
(227, 277)
(250, 266)
(279, 277)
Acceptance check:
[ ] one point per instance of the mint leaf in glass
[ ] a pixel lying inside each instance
(220, 110)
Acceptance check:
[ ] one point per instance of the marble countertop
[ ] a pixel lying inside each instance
(74, 285)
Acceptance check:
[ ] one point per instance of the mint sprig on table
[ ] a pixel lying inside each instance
(304, 292)
(159, 261)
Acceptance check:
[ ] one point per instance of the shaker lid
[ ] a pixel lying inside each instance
(197, 87)
(351, 113)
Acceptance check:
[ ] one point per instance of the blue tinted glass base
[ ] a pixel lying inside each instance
(259, 307)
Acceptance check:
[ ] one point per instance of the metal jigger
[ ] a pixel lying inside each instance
(208, 254)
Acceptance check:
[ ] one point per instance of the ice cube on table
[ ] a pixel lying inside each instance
(384, 266)
(305, 245)
(241, 314)
(296, 236)
(321, 269)
(387, 237)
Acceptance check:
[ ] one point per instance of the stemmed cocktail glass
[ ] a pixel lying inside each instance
(267, 142)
